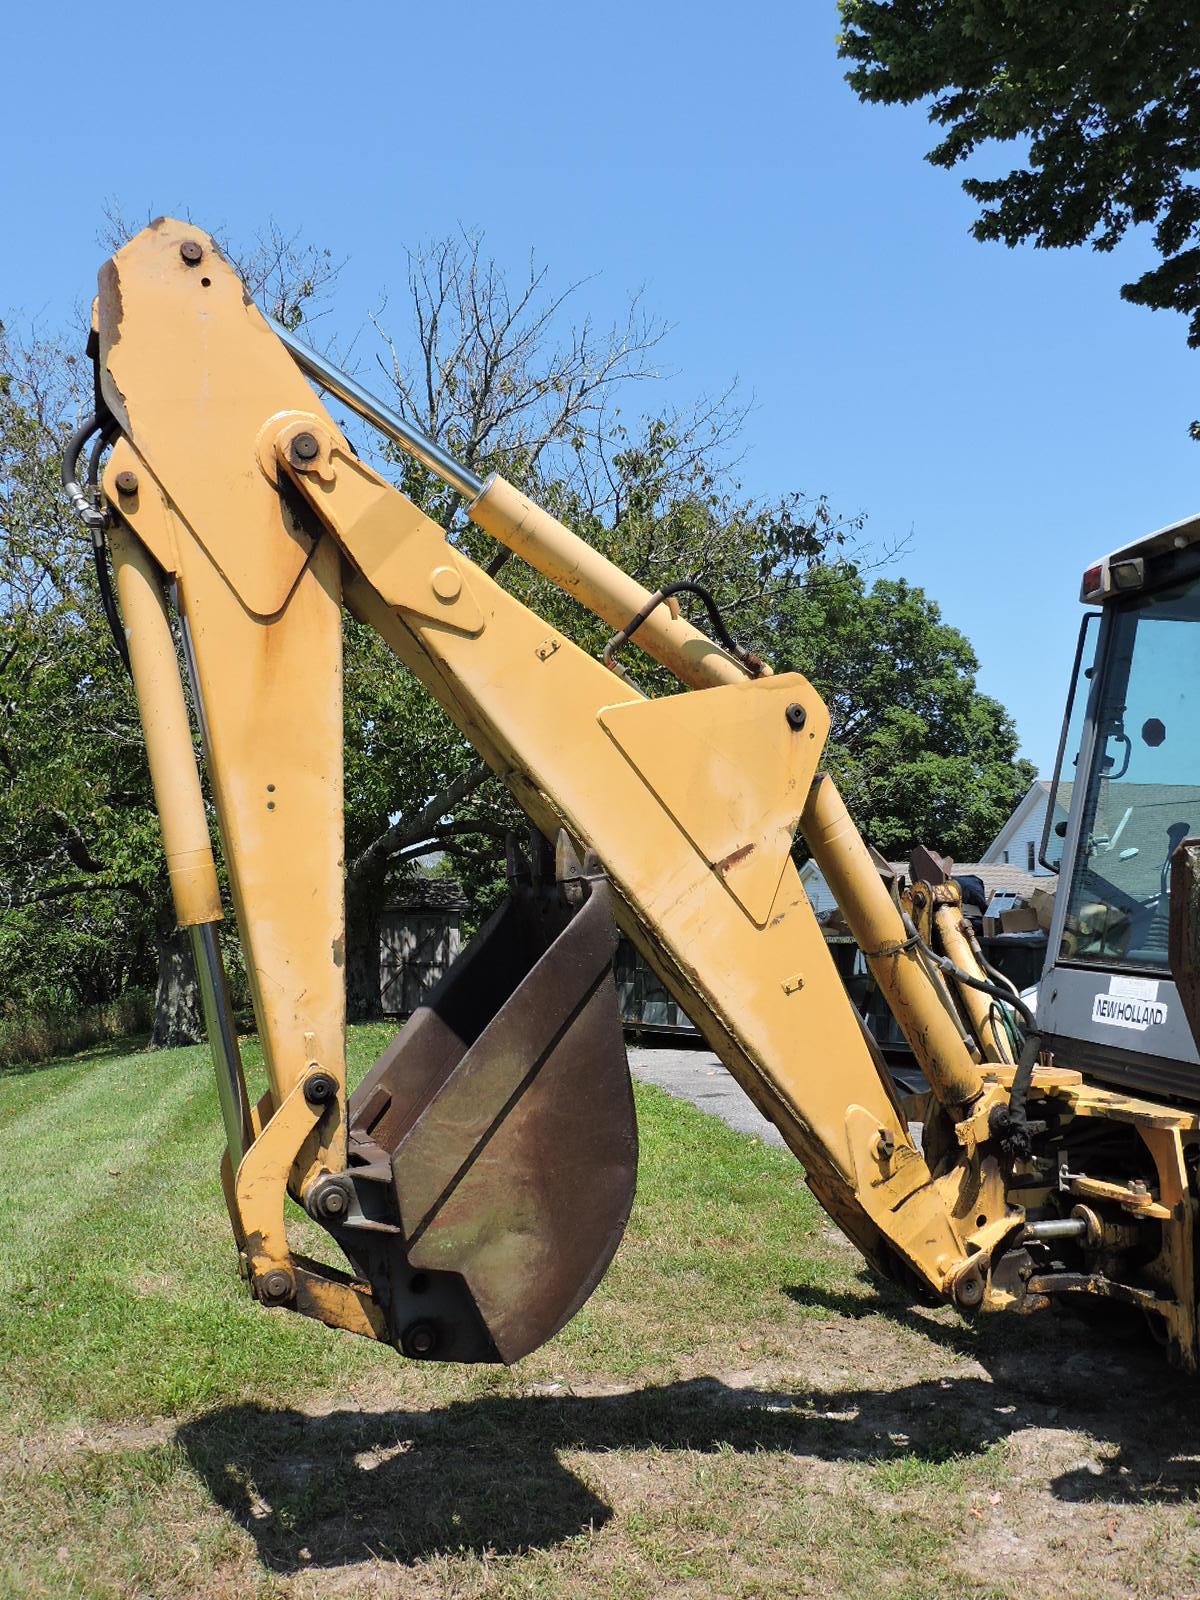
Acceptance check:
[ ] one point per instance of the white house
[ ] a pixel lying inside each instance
(1020, 839)
(820, 895)
(1009, 862)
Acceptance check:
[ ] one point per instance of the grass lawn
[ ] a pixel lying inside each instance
(739, 1411)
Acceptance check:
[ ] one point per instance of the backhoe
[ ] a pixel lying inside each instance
(478, 1181)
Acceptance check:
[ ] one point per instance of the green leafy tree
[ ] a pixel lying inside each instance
(1104, 101)
(920, 754)
(80, 885)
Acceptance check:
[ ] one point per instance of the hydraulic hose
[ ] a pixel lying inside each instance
(752, 663)
(986, 986)
(108, 600)
(93, 518)
(993, 973)
(70, 469)
(1009, 1123)
(104, 437)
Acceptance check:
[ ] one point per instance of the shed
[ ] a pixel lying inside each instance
(420, 934)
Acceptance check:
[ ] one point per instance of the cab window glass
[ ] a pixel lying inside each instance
(1062, 785)
(1143, 790)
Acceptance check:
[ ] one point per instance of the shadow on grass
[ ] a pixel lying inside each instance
(487, 1474)
(879, 1298)
(1045, 1354)
(132, 1044)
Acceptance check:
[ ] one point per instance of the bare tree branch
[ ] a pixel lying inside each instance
(409, 830)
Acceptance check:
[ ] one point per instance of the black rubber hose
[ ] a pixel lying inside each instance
(108, 600)
(70, 481)
(71, 454)
(985, 986)
(104, 437)
(972, 982)
(1009, 1123)
(751, 662)
(993, 972)
(1014, 1116)
(710, 605)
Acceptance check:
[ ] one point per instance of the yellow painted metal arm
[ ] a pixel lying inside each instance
(168, 733)
(252, 499)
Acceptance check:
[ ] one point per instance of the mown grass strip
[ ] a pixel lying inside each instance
(167, 1436)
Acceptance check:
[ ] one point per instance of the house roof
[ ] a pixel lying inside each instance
(427, 894)
(997, 876)
(1002, 876)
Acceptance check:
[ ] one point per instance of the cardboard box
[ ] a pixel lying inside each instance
(1021, 920)
(1041, 903)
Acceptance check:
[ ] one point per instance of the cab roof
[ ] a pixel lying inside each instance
(1175, 536)
(1124, 569)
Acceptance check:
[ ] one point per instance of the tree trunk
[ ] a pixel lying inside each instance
(365, 897)
(177, 1015)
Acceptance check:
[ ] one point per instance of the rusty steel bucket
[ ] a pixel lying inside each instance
(493, 1146)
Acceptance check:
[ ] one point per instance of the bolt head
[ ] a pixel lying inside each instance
(127, 483)
(276, 1285)
(447, 584)
(192, 252)
(796, 715)
(332, 1202)
(305, 447)
(320, 1089)
(420, 1339)
(968, 1291)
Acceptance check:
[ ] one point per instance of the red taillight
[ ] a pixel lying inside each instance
(1093, 579)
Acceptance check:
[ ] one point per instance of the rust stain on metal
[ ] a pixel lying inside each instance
(731, 860)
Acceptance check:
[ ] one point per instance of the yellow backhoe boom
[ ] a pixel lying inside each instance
(478, 1182)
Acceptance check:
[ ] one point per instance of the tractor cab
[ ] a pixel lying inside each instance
(1124, 797)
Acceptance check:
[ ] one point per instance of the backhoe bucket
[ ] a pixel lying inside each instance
(501, 1126)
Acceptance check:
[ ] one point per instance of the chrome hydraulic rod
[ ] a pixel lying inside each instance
(368, 406)
(222, 1039)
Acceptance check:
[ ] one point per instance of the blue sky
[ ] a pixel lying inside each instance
(1005, 408)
